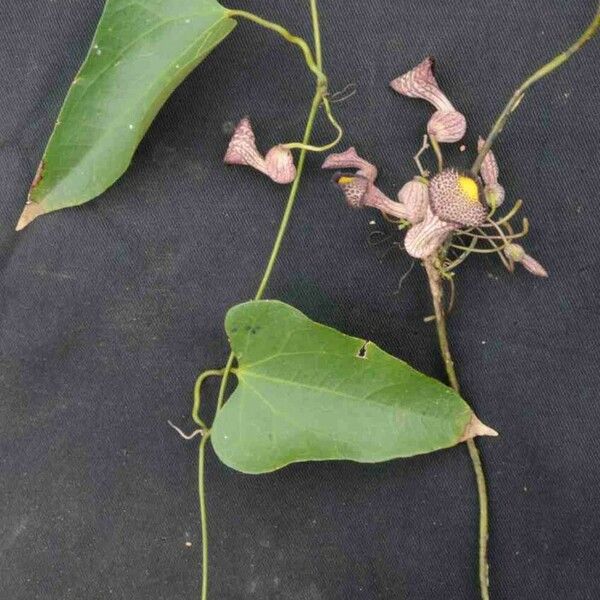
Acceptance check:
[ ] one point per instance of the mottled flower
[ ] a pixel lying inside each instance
(456, 197)
(360, 189)
(426, 237)
(414, 195)
(351, 160)
(494, 192)
(278, 164)
(454, 202)
(447, 124)
(517, 253)
(360, 192)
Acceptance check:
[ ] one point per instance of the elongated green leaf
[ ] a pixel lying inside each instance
(308, 392)
(141, 51)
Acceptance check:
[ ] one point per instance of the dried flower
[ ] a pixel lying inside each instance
(447, 124)
(494, 192)
(517, 253)
(278, 164)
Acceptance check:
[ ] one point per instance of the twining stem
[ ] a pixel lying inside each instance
(314, 63)
(285, 34)
(197, 389)
(203, 519)
(320, 97)
(516, 98)
(435, 286)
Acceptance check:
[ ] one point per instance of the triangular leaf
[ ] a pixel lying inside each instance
(141, 51)
(309, 392)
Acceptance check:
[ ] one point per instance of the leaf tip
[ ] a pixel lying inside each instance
(476, 428)
(31, 211)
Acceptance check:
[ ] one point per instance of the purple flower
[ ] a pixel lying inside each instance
(360, 192)
(454, 202)
(351, 160)
(447, 124)
(414, 195)
(278, 164)
(360, 189)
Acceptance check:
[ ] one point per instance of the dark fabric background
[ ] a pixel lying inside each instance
(110, 310)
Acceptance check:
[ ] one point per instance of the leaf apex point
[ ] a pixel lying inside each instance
(476, 428)
(31, 211)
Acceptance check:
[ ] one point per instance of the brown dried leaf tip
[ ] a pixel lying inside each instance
(476, 428)
(32, 209)
(277, 165)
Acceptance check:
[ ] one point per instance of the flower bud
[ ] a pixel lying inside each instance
(242, 148)
(420, 83)
(447, 124)
(489, 167)
(494, 195)
(517, 253)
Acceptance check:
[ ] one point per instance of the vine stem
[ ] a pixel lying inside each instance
(319, 97)
(435, 287)
(203, 519)
(314, 63)
(516, 98)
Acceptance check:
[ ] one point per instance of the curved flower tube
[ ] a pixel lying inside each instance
(447, 125)
(278, 165)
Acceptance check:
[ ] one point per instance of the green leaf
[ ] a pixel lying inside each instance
(141, 51)
(308, 392)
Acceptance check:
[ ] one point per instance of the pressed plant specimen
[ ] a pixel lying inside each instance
(304, 391)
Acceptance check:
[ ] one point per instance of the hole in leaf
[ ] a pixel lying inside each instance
(362, 352)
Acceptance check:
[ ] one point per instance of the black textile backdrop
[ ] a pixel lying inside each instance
(109, 311)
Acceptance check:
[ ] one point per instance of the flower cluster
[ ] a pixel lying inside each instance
(447, 215)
